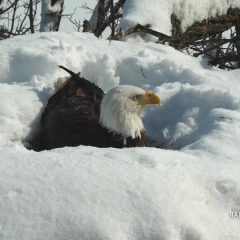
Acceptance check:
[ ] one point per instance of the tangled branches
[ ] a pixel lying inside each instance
(206, 38)
(17, 17)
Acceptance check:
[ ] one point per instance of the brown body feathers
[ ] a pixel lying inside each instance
(71, 118)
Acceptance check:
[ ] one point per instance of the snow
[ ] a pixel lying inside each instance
(184, 190)
(158, 12)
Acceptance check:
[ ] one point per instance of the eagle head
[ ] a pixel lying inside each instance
(122, 109)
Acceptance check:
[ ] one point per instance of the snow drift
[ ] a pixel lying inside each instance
(141, 193)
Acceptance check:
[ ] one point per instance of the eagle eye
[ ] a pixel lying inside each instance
(136, 97)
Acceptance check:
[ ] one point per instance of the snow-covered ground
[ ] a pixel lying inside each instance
(185, 190)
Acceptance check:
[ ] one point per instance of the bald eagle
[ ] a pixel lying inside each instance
(79, 113)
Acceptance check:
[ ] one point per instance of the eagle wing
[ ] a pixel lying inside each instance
(71, 116)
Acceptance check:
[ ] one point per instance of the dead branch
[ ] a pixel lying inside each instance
(7, 9)
(86, 7)
(19, 18)
(203, 38)
(76, 22)
(138, 29)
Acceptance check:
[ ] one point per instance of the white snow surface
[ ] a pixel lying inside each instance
(184, 190)
(158, 12)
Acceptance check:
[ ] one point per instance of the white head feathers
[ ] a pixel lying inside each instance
(121, 110)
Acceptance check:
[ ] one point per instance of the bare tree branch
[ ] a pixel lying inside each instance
(19, 18)
(137, 29)
(6, 9)
(76, 23)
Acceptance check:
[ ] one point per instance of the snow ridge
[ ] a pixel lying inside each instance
(142, 193)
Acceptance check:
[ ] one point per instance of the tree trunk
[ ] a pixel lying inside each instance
(51, 15)
(238, 42)
(99, 16)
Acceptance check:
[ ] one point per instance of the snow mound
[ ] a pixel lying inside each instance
(158, 12)
(141, 193)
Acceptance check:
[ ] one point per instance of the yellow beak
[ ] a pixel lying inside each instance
(150, 98)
